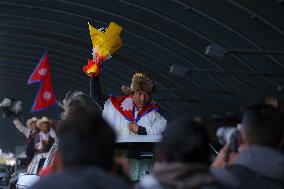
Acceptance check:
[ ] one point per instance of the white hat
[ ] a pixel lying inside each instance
(30, 121)
(42, 120)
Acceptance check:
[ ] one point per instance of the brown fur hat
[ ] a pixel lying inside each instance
(140, 82)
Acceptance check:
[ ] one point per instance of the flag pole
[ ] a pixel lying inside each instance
(91, 88)
(57, 111)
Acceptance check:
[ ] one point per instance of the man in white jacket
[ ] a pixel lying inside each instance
(30, 131)
(45, 138)
(30, 126)
(135, 113)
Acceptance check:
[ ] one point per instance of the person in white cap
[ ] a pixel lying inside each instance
(30, 131)
(44, 138)
(30, 126)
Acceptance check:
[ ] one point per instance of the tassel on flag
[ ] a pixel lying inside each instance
(45, 96)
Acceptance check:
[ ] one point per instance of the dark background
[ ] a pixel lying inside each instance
(157, 34)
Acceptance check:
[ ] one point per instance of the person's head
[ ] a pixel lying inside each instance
(74, 100)
(45, 127)
(140, 90)
(262, 125)
(85, 139)
(184, 141)
(31, 123)
(43, 124)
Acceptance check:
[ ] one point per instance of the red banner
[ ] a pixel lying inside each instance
(41, 74)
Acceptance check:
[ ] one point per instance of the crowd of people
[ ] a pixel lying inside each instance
(39, 133)
(86, 145)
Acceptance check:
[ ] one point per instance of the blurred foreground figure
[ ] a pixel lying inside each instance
(259, 162)
(183, 159)
(85, 150)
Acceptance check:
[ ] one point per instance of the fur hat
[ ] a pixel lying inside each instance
(42, 120)
(30, 121)
(140, 82)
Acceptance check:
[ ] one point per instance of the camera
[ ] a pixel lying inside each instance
(230, 136)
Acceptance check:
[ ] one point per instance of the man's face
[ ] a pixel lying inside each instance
(45, 127)
(33, 125)
(141, 98)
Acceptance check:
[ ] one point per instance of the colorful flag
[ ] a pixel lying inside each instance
(45, 96)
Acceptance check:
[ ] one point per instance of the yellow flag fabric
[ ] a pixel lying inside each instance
(108, 42)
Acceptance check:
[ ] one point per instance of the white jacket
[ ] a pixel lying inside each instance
(26, 131)
(19, 125)
(153, 121)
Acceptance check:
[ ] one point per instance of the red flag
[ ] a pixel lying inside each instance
(41, 71)
(45, 96)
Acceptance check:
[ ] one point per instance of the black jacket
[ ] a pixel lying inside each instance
(264, 162)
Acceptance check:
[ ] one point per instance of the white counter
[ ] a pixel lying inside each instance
(139, 138)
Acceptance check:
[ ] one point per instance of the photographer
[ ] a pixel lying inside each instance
(183, 158)
(259, 163)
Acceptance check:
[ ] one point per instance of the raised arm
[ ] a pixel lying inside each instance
(96, 91)
(19, 125)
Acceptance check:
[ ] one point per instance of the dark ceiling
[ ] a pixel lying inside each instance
(157, 34)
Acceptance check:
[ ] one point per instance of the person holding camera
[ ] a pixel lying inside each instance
(182, 159)
(259, 162)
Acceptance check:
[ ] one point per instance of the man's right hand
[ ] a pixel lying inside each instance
(133, 127)
(224, 158)
(16, 121)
